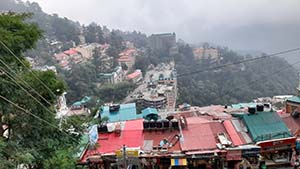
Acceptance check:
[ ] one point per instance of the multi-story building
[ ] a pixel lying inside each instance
(161, 91)
(205, 53)
(127, 57)
(163, 42)
(87, 50)
(74, 55)
(114, 77)
(154, 100)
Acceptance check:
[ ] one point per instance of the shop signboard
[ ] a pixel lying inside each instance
(277, 143)
(253, 152)
(129, 153)
(178, 162)
(234, 155)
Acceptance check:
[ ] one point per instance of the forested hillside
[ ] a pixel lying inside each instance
(232, 84)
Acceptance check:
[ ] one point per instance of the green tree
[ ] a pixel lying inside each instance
(93, 33)
(32, 141)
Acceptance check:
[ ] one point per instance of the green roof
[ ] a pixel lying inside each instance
(126, 112)
(82, 101)
(243, 105)
(265, 126)
(149, 111)
(294, 99)
(84, 140)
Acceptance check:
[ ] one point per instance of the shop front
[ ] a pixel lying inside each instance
(163, 161)
(233, 157)
(206, 159)
(278, 151)
(250, 154)
(245, 156)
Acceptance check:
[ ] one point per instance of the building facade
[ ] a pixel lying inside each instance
(163, 42)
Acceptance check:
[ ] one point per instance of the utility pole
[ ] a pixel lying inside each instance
(124, 157)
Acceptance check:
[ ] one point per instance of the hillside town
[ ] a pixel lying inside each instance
(149, 130)
(86, 96)
(259, 134)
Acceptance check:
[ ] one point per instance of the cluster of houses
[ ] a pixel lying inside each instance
(124, 70)
(78, 54)
(83, 53)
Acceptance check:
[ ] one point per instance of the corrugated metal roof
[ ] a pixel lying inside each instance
(158, 136)
(294, 99)
(265, 126)
(198, 137)
(131, 136)
(149, 111)
(71, 52)
(292, 123)
(243, 105)
(235, 138)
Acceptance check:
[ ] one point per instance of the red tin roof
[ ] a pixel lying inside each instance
(134, 75)
(198, 137)
(131, 136)
(157, 136)
(70, 52)
(234, 136)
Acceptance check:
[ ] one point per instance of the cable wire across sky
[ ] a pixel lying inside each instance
(238, 62)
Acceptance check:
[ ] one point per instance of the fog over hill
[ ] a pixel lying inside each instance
(258, 25)
(216, 87)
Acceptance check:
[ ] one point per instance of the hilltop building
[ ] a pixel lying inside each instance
(205, 53)
(165, 43)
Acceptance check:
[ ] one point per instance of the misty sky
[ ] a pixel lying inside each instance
(239, 24)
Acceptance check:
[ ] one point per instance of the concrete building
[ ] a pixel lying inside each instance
(163, 42)
(293, 103)
(86, 50)
(135, 77)
(205, 53)
(114, 77)
(154, 100)
(161, 91)
(74, 55)
(127, 57)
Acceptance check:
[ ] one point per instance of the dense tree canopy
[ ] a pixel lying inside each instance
(232, 84)
(34, 136)
(93, 34)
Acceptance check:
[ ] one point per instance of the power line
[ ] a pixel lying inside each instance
(47, 109)
(25, 81)
(263, 77)
(238, 62)
(26, 111)
(35, 116)
(27, 67)
(28, 93)
(14, 79)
